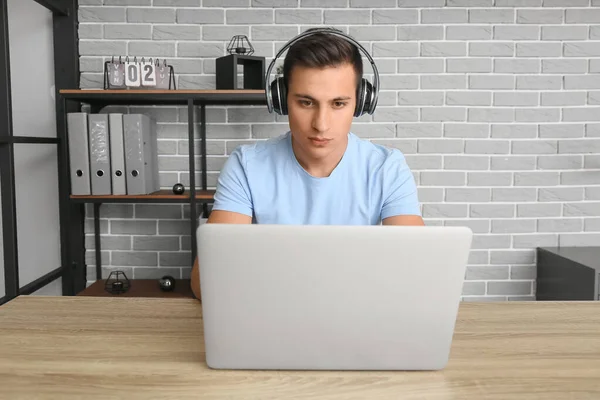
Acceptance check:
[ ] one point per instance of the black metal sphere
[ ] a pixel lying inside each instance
(178, 188)
(166, 283)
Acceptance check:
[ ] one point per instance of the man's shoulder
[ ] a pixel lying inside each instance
(260, 149)
(377, 155)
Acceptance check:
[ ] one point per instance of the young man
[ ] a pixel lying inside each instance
(318, 172)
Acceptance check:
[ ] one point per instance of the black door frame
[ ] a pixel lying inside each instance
(66, 76)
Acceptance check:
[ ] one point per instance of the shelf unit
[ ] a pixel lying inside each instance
(97, 99)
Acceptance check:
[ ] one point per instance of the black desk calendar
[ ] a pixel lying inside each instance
(133, 74)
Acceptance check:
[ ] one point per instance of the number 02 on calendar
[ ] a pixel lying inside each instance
(148, 75)
(132, 74)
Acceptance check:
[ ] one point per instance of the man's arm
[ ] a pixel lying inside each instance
(401, 201)
(216, 217)
(232, 205)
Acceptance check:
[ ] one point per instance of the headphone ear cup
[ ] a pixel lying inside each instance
(367, 100)
(279, 95)
(360, 98)
(283, 99)
(275, 97)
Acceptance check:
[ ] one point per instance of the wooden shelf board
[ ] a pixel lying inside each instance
(141, 288)
(161, 91)
(157, 97)
(159, 196)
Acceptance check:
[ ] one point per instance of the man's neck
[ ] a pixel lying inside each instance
(319, 167)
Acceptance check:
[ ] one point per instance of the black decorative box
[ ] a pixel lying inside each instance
(253, 71)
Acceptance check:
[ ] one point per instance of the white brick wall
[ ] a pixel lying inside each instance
(495, 103)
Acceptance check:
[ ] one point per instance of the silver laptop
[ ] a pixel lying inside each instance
(321, 297)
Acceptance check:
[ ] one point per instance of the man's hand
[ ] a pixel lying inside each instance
(404, 220)
(216, 217)
(195, 280)
(228, 217)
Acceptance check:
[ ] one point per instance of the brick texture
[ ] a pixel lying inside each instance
(495, 103)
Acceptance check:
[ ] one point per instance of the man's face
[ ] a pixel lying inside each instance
(320, 109)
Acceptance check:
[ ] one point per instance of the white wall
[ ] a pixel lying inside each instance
(32, 87)
(495, 104)
(54, 288)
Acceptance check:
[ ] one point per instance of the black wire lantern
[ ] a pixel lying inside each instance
(239, 44)
(117, 283)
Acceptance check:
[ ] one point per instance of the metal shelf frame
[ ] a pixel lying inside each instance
(66, 75)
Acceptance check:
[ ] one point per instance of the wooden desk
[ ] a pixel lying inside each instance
(130, 348)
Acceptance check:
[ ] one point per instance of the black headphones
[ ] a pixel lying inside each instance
(366, 93)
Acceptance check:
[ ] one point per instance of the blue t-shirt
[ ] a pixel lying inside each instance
(265, 181)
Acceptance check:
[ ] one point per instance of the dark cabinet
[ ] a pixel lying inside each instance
(568, 273)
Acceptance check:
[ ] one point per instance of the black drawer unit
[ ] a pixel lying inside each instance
(568, 273)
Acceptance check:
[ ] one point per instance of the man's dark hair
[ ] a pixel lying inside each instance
(322, 50)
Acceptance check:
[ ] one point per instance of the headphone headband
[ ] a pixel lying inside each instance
(375, 93)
